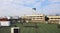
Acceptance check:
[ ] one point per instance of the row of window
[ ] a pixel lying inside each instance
(54, 18)
(35, 16)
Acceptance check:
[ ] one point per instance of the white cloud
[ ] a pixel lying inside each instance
(52, 9)
(15, 10)
(29, 2)
(8, 8)
(15, 7)
(23, 1)
(54, 0)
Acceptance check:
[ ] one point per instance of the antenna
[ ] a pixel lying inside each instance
(34, 10)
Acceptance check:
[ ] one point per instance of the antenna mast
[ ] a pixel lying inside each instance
(34, 10)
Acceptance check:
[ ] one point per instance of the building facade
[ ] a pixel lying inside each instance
(34, 18)
(54, 19)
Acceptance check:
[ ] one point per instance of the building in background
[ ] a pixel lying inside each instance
(34, 18)
(54, 19)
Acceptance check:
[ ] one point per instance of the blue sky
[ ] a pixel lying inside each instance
(21, 7)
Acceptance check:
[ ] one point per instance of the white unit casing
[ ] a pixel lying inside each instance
(4, 23)
(12, 29)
